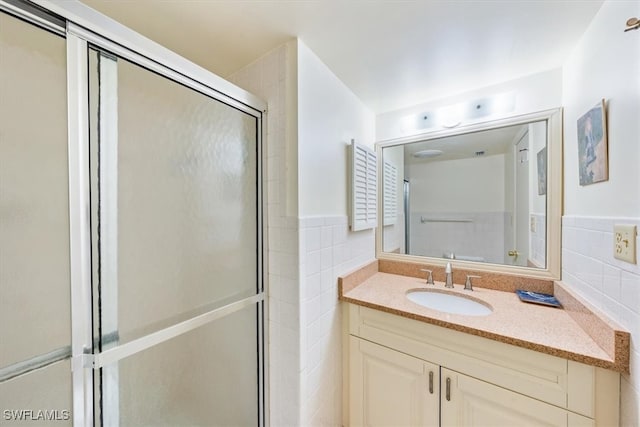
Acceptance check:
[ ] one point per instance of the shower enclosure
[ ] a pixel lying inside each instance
(131, 230)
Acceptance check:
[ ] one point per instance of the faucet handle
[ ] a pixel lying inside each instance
(429, 277)
(468, 285)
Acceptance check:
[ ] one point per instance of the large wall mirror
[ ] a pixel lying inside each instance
(487, 195)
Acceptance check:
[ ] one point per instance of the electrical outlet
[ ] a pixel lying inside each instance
(533, 224)
(624, 242)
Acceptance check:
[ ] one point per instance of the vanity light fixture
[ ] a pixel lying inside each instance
(451, 116)
(502, 103)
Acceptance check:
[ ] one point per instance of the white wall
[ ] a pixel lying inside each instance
(312, 117)
(606, 64)
(472, 190)
(329, 116)
(537, 92)
(462, 185)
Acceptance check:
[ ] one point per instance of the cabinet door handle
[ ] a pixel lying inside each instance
(431, 382)
(448, 392)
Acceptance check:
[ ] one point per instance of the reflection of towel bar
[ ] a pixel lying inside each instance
(423, 220)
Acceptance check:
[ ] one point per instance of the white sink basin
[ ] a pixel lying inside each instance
(448, 303)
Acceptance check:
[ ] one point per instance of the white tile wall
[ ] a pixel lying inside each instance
(306, 256)
(327, 250)
(267, 77)
(482, 236)
(611, 285)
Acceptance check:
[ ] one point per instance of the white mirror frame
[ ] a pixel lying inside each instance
(554, 195)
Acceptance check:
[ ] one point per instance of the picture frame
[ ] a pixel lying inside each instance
(593, 161)
(542, 171)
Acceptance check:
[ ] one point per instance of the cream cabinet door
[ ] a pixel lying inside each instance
(470, 402)
(389, 388)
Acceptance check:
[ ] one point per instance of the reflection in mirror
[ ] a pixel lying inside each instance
(477, 196)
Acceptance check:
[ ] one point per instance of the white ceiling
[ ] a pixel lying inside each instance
(491, 142)
(391, 53)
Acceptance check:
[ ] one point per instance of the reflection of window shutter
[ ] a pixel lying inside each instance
(363, 187)
(390, 193)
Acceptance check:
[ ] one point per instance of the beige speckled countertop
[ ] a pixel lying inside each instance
(546, 329)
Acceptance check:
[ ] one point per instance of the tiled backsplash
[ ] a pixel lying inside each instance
(610, 285)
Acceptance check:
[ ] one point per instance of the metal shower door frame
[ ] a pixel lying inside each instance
(85, 358)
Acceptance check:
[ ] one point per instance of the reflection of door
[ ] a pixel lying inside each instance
(518, 252)
(407, 217)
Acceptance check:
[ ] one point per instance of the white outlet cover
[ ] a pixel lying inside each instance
(624, 242)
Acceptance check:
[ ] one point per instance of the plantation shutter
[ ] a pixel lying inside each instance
(390, 194)
(364, 188)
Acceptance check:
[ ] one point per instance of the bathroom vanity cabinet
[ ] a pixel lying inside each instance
(407, 372)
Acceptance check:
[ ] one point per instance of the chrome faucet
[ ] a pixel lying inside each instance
(448, 272)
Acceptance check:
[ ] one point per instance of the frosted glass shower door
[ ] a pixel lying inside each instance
(176, 226)
(35, 323)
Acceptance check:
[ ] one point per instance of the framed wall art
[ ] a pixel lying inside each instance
(593, 162)
(542, 171)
